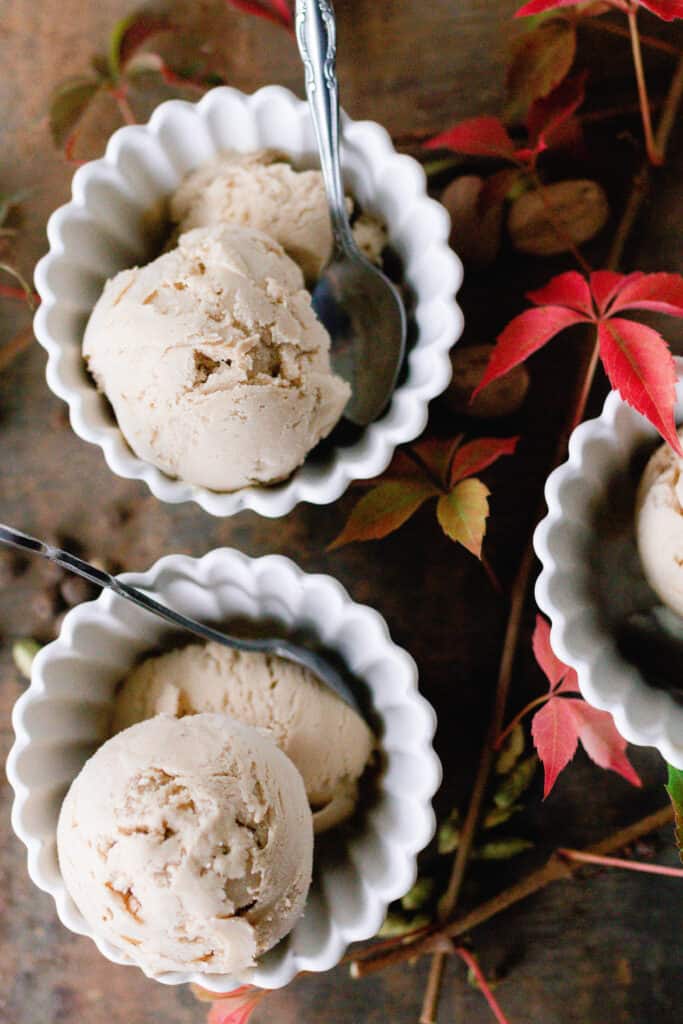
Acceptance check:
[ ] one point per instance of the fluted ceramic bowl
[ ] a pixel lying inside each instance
(64, 716)
(591, 584)
(105, 227)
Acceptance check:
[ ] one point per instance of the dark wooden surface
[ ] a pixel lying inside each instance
(606, 948)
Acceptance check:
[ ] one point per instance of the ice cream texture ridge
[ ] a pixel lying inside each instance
(262, 190)
(187, 843)
(329, 743)
(216, 367)
(659, 525)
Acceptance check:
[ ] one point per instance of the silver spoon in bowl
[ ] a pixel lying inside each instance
(360, 308)
(320, 666)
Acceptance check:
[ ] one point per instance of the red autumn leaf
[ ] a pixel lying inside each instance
(548, 114)
(568, 289)
(660, 293)
(523, 336)
(132, 33)
(475, 456)
(383, 509)
(437, 454)
(668, 10)
(636, 358)
(565, 719)
(462, 514)
(276, 11)
(478, 136)
(640, 367)
(551, 666)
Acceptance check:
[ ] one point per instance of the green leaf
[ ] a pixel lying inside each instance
(463, 512)
(420, 894)
(23, 283)
(512, 750)
(129, 34)
(499, 815)
(514, 784)
(396, 925)
(8, 203)
(675, 790)
(68, 103)
(501, 849)
(540, 60)
(383, 509)
(23, 653)
(448, 836)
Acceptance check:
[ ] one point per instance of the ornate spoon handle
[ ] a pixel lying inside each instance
(316, 36)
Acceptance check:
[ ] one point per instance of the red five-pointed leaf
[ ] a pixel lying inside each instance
(525, 335)
(478, 136)
(277, 11)
(665, 9)
(661, 293)
(555, 737)
(570, 289)
(601, 741)
(605, 284)
(475, 456)
(639, 365)
(541, 6)
(548, 662)
(548, 114)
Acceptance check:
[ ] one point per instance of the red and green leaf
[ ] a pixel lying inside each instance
(462, 514)
(674, 788)
(276, 11)
(476, 456)
(541, 59)
(68, 103)
(477, 136)
(549, 115)
(129, 35)
(383, 509)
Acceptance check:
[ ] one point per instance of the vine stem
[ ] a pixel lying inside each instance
(124, 106)
(584, 857)
(483, 984)
(555, 869)
(522, 578)
(618, 30)
(519, 716)
(654, 155)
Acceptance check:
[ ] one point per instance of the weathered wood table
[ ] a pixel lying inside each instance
(603, 948)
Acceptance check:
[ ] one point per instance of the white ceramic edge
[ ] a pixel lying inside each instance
(403, 855)
(643, 715)
(436, 313)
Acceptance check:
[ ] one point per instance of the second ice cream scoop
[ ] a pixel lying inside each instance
(359, 306)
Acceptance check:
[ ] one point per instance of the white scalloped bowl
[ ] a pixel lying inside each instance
(586, 571)
(63, 717)
(102, 230)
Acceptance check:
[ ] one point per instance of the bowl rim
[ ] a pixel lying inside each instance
(406, 416)
(207, 570)
(644, 715)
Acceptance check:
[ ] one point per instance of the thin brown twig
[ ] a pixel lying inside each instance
(15, 346)
(583, 857)
(618, 30)
(554, 870)
(521, 581)
(654, 154)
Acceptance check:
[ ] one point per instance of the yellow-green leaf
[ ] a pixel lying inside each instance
(516, 782)
(513, 748)
(501, 849)
(68, 103)
(463, 513)
(383, 509)
(420, 894)
(675, 790)
(499, 815)
(540, 60)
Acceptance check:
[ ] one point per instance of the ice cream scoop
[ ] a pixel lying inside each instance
(214, 362)
(659, 525)
(327, 740)
(262, 190)
(188, 844)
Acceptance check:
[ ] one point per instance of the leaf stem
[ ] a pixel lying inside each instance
(483, 984)
(554, 870)
(124, 106)
(427, 470)
(584, 857)
(557, 224)
(653, 153)
(16, 345)
(519, 716)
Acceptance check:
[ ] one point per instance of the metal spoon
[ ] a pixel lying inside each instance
(326, 673)
(358, 305)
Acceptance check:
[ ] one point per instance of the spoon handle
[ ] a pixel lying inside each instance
(316, 36)
(267, 645)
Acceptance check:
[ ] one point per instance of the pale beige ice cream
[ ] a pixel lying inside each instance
(188, 843)
(659, 525)
(215, 364)
(326, 739)
(263, 191)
